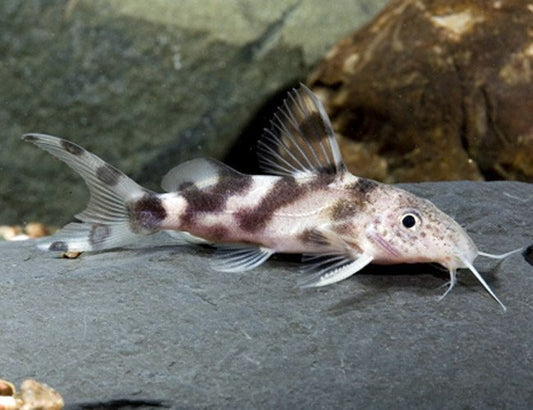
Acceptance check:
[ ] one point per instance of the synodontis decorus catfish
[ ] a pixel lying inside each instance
(309, 204)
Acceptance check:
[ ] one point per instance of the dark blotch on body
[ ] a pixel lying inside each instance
(344, 209)
(360, 192)
(364, 186)
(202, 201)
(213, 198)
(72, 148)
(284, 192)
(217, 233)
(146, 214)
(322, 180)
(108, 174)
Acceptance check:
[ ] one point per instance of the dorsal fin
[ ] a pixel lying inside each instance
(201, 172)
(300, 140)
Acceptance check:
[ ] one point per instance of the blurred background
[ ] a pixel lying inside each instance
(431, 90)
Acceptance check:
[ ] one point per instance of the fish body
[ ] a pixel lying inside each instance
(309, 204)
(314, 215)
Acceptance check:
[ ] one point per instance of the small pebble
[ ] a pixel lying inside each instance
(10, 232)
(70, 255)
(6, 388)
(36, 230)
(30, 231)
(33, 396)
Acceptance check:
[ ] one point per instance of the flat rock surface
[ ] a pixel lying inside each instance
(156, 324)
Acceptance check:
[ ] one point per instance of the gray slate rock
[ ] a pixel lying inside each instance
(155, 323)
(145, 84)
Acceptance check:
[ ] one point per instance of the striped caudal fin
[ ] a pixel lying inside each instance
(112, 217)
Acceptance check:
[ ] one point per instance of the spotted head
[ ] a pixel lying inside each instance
(404, 228)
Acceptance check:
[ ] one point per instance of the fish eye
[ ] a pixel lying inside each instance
(410, 220)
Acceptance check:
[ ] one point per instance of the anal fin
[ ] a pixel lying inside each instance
(240, 258)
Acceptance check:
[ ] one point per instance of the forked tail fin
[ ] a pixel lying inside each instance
(106, 222)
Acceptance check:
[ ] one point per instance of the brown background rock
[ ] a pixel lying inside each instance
(435, 90)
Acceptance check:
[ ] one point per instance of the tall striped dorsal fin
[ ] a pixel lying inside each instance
(300, 141)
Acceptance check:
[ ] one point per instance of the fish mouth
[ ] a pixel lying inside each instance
(383, 244)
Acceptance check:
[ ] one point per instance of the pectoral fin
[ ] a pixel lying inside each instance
(335, 269)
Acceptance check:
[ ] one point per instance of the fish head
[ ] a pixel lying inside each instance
(407, 229)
